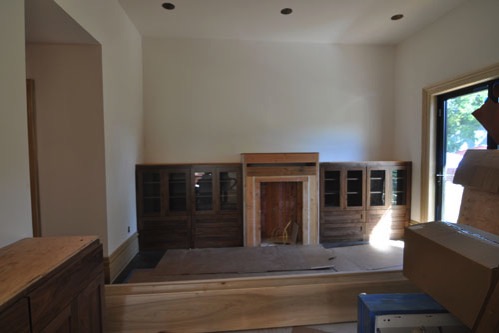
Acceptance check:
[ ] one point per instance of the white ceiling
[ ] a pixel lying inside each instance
(321, 21)
(46, 22)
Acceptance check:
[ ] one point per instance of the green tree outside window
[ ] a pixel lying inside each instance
(463, 130)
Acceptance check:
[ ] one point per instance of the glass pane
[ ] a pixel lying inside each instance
(203, 190)
(377, 194)
(399, 191)
(463, 132)
(332, 188)
(151, 189)
(354, 188)
(177, 187)
(152, 205)
(228, 190)
(151, 192)
(152, 176)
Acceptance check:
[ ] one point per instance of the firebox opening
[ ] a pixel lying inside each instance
(281, 217)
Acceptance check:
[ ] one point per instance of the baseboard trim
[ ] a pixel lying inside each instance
(121, 257)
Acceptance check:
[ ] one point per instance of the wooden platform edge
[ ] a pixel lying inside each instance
(244, 303)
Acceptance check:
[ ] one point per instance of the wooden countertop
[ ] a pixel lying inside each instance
(28, 260)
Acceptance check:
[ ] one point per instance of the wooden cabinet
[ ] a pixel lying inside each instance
(342, 202)
(52, 284)
(359, 200)
(163, 206)
(15, 318)
(189, 206)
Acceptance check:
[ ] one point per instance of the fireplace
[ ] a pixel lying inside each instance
(296, 221)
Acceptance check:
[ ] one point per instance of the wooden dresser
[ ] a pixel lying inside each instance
(52, 284)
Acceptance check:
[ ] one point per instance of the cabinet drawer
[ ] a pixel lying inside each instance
(15, 319)
(392, 221)
(55, 295)
(217, 231)
(343, 217)
(342, 226)
(342, 232)
(163, 234)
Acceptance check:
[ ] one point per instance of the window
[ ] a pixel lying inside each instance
(457, 131)
(427, 192)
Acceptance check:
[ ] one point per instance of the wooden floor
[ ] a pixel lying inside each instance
(200, 264)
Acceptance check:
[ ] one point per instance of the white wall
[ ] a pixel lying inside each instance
(15, 205)
(463, 41)
(122, 91)
(210, 100)
(70, 138)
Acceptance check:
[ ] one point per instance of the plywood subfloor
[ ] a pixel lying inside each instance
(196, 264)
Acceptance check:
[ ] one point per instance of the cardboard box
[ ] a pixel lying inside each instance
(478, 172)
(458, 265)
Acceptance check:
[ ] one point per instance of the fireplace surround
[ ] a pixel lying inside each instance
(261, 168)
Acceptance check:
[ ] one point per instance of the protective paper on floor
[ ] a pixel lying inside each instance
(367, 257)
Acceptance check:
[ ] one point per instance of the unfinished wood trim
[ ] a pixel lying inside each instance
(285, 171)
(252, 231)
(288, 167)
(33, 159)
(428, 137)
(310, 220)
(119, 259)
(244, 303)
(249, 158)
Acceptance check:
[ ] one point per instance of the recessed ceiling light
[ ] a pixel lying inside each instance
(397, 17)
(286, 11)
(168, 6)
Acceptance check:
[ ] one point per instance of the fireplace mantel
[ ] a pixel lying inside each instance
(260, 168)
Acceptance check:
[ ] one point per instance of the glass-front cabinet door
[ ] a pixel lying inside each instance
(150, 185)
(177, 184)
(400, 181)
(332, 188)
(355, 188)
(162, 191)
(342, 186)
(203, 190)
(377, 188)
(229, 189)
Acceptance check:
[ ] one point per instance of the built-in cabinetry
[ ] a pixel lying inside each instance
(52, 284)
(189, 206)
(363, 200)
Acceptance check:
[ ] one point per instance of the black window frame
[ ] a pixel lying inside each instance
(441, 127)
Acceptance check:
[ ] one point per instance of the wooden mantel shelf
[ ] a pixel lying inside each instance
(277, 158)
